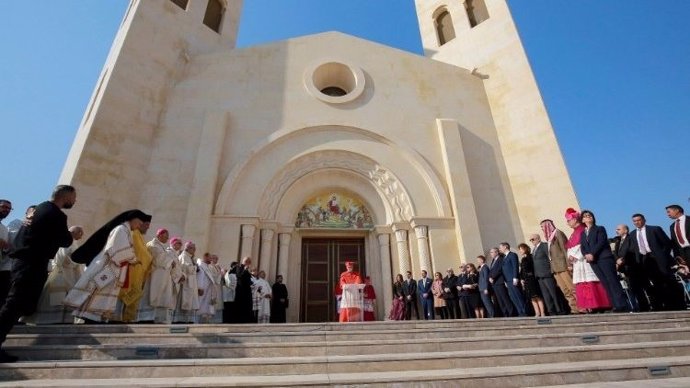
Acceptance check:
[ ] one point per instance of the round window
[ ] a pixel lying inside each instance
(334, 82)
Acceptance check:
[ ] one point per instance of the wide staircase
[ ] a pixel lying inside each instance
(603, 350)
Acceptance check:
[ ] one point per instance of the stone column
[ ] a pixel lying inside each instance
(265, 262)
(403, 251)
(386, 272)
(283, 255)
(422, 233)
(247, 241)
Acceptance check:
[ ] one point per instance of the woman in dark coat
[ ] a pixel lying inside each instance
(529, 281)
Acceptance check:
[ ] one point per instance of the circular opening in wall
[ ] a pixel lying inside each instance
(333, 91)
(335, 82)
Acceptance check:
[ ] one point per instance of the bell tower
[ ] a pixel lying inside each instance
(480, 36)
(154, 46)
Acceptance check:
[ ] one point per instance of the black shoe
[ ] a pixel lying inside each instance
(7, 358)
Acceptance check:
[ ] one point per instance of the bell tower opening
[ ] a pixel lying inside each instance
(214, 15)
(444, 26)
(476, 12)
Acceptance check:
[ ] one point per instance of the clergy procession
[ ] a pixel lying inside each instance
(116, 276)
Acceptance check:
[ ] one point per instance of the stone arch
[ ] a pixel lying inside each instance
(409, 180)
(330, 179)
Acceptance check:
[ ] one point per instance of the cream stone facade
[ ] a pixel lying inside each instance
(451, 153)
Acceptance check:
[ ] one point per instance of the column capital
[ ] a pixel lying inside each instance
(401, 235)
(422, 231)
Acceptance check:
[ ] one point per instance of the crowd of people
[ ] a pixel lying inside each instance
(115, 276)
(642, 270)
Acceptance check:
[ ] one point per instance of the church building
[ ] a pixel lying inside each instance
(308, 152)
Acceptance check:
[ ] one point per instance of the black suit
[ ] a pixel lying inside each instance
(678, 250)
(499, 287)
(595, 242)
(485, 290)
(547, 283)
(35, 245)
(450, 294)
(667, 294)
(410, 291)
(638, 280)
(244, 303)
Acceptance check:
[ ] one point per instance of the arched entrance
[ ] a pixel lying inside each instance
(323, 259)
(335, 224)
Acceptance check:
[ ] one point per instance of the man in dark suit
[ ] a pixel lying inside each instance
(652, 247)
(450, 294)
(511, 273)
(425, 295)
(485, 291)
(497, 281)
(244, 301)
(542, 271)
(680, 232)
(636, 276)
(410, 292)
(36, 243)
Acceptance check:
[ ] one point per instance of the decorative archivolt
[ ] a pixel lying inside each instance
(387, 185)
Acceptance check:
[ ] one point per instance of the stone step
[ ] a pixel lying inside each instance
(211, 334)
(654, 371)
(469, 358)
(673, 382)
(498, 323)
(157, 346)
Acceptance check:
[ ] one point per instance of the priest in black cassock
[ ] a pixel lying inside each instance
(243, 292)
(280, 302)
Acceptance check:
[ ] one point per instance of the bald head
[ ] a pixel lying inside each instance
(622, 229)
(246, 261)
(77, 232)
(535, 239)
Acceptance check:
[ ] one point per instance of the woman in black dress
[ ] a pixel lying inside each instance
(529, 281)
(472, 288)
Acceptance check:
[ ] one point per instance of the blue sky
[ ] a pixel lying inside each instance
(614, 76)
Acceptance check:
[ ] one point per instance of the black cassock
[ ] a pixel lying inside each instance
(277, 307)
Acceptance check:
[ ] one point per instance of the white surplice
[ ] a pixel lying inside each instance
(95, 294)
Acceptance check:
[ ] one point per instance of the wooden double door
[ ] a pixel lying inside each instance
(323, 259)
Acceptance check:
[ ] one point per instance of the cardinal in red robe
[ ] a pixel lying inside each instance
(349, 312)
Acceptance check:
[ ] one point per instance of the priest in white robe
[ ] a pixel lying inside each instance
(162, 286)
(188, 298)
(263, 297)
(207, 290)
(218, 273)
(95, 295)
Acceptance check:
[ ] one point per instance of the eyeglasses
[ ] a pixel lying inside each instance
(533, 239)
(586, 216)
(8, 207)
